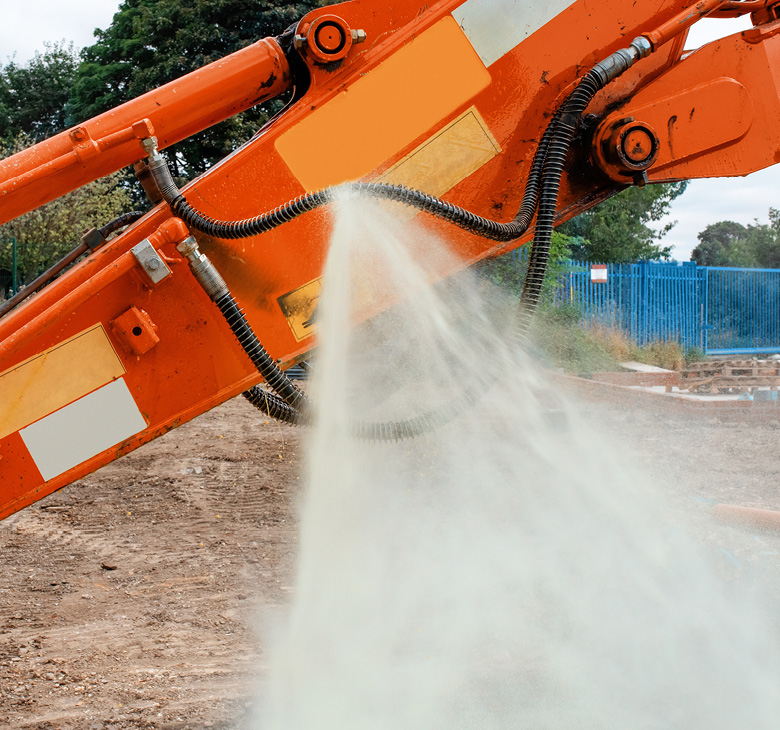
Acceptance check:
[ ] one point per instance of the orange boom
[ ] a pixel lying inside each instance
(466, 112)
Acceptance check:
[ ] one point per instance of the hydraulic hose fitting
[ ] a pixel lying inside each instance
(620, 61)
(203, 270)
(158, 168)
(642, 46)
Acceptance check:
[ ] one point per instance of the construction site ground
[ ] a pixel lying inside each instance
(138, 596)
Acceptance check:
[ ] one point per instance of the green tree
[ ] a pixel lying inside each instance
(34, 95)
(724, 243)
(618, 230)
(508, 271)
(152, 42)
(727, 243)
(46, 234)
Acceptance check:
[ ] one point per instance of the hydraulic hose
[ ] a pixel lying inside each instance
(287, 403)
(289, 395)
(273, 375)
(121, 221)
(273, 406)
(564, 127)
(493, 230)
(470, 222)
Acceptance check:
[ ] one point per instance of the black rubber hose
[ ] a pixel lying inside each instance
(563, 128)
(123, 220)
(272, 374)
(471, 222)
(273, 406)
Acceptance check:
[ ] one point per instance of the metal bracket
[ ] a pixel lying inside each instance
(150, 261)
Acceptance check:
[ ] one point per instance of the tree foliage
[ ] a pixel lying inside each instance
(152, 42)
(46, 234)
(727, 243)
(34, 95)
(618, 230)
(508, 271)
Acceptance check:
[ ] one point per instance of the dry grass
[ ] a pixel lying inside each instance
(562, 341)
(667, 355)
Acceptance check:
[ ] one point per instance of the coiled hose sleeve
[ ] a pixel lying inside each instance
(123, 220)
(288, 392)
(563, 127)
(273, 406)
(470, 222)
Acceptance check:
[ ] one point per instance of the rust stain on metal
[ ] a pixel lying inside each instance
(670, 129)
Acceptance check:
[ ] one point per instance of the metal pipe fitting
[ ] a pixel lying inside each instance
(203, 270)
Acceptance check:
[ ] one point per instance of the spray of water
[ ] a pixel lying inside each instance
(503, 571)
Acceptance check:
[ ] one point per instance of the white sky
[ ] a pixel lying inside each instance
(27, 25)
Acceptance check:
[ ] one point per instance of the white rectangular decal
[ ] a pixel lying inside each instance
(495, 27)
(83, 429)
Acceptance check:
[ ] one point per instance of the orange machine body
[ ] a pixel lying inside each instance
(450, 97)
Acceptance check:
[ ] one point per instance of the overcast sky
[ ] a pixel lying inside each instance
(26, 26)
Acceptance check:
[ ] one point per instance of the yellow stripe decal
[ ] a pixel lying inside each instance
(448, 157)
(52, 379)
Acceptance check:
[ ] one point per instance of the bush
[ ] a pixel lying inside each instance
(564, 344)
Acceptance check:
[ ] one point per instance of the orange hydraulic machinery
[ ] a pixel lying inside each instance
(489, 120)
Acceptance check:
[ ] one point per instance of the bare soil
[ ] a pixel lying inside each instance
(131, 599)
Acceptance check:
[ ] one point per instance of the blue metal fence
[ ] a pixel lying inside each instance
(720, 310)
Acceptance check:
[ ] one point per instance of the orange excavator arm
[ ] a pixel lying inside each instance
(463, 112)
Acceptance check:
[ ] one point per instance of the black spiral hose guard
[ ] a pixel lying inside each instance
(272, 405)
(493, 230)
(288, 392)
(564, 127)
(121, 221)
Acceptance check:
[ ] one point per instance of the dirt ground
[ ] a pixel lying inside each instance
(131, 599)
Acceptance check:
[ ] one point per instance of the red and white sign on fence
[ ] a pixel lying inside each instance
(598, 273)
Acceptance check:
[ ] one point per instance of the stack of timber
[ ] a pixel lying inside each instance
(730, 376)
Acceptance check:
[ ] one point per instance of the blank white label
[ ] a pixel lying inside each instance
(83, 429)
(495, 27)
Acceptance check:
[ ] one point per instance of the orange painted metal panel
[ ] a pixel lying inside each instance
(197, 364)
(715, 112)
